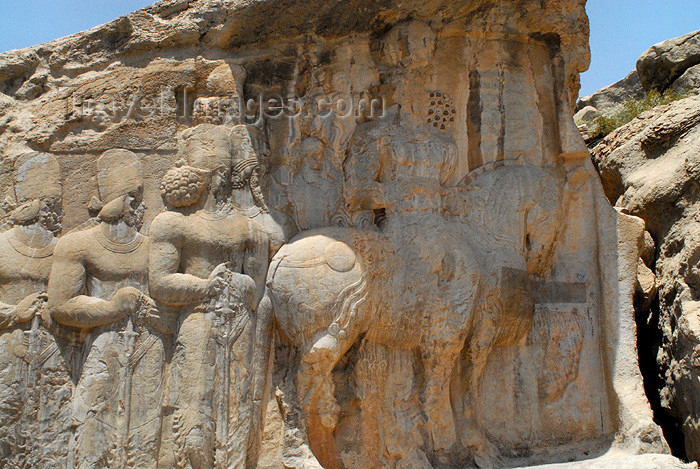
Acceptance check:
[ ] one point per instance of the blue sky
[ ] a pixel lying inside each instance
(620, 29)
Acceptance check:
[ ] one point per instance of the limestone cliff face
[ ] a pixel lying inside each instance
(132, 83)
(316, 234)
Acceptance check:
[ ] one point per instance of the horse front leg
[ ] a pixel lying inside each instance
(440, 349)
(481, 343)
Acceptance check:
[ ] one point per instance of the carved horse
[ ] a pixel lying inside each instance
(433, 283)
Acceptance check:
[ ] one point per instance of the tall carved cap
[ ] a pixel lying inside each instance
(206, 146)
(118, 173)
(249, 147)
(36, 175)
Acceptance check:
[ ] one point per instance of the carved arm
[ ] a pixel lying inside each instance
(69, 307)
(165, 283)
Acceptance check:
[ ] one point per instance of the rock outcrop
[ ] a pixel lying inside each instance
(606, 98)
(672, 65)
(651, 168)
(666, 61)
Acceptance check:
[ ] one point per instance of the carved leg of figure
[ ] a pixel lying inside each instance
(314, 382)
(54, 388)
(440, 349)
(317, 392)
(439, 362)
(194, 376)
(11, 395)
(481, 342)
(401, 417)
(369, 376)
(262, 364)
(145, 420)
(96, 404)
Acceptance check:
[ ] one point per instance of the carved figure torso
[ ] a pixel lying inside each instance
(108, 266)
(206, 240)
(91, 270)
(23, 270)
(388, 168)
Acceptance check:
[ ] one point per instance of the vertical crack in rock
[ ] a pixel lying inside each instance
(474, 108)
(649, 339)
(502, 110)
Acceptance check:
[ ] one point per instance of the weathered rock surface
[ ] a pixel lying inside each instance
(651, 167)
(666, 61)
(345, 234)
(624, 462)
(671, 65)
(606, 98)
(689, 81)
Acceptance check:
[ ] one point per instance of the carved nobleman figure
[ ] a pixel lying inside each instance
(25, 263)
(209, 262)
(249, 165)
(99, 286)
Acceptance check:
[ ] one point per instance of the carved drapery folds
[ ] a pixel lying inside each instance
(384, 249)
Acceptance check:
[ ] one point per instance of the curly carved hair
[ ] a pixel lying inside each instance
(182, 186)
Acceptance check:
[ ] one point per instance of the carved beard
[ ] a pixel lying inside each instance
(51, 216)
(134, 217)
(221, 187)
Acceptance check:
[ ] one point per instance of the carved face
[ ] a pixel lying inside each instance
(219, 183)
(134, 208)
(219, 178)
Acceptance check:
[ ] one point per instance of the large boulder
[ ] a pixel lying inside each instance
(628, 88)
(688, 82)
(664, 62)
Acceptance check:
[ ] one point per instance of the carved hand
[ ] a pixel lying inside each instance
(29, 307)
(217, 280)
(126, 301)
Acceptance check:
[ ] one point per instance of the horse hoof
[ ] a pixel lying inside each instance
(487, 456)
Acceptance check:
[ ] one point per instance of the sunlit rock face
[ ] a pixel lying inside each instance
(314, 235)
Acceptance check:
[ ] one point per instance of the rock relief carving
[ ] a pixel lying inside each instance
(250, 164)
(441, 111)
(98, 286)
(208, 263)
(26, 250)
(473, 294)
(313, 153)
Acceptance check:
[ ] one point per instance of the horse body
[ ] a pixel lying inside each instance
(422, 281)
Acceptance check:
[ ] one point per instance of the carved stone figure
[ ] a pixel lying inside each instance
(464, 292)
(26, 251)
(99, 286)
(209, 263)
(461, 291)
(249, 166)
